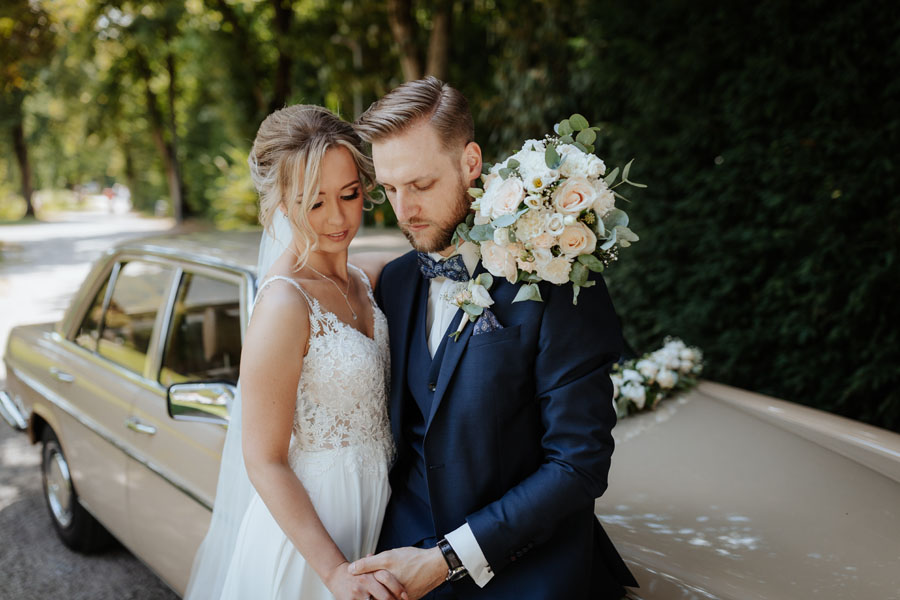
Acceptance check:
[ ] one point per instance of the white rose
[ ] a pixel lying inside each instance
(577, 239)
(530, 161)
(499, 261)
(617, 384)
(635, 392)
(575, 195)
(647, 368)
(556, 270)
(687, 354)
(480, 296)
(503, 198)
(604, 201)
(501, 236)
(685, 367)
(554, 225)
(533, 146)
(666, 379)
(631, 375)
(579, 163)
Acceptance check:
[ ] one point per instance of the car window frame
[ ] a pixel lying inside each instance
(68, 327)
(212, 272)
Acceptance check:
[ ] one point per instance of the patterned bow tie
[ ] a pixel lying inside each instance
(452, 268)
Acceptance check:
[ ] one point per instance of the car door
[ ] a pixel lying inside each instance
(170, 499)
(99, 373)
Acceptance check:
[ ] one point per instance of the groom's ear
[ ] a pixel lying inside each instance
(471, 161)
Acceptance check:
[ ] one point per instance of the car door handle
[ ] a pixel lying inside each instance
(62, 375)
(135, 424)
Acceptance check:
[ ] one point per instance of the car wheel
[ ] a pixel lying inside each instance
(75, 526)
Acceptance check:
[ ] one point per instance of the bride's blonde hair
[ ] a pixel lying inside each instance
(288, 152)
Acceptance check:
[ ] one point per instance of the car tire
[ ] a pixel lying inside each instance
(76, 527)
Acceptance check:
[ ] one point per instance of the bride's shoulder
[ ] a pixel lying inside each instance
(372, 263)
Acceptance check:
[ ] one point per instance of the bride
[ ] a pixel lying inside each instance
(311, 412)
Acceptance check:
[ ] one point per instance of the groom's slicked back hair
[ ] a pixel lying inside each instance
(428, 99)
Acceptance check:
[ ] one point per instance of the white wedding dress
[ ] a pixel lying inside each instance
(340, 450)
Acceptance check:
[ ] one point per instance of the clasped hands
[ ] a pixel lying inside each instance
(401, 574)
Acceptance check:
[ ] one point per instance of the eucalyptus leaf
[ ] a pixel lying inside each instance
(626, 170)
(551, 157)
(635, 184)
(591, 262)
(575, 290)
(610, 241)
(472, 309)
(579, 273)
(528, 292)
(476, 192)
(505, 172)
(578, 122)
(567, 139)
(482, 233)
(582, 147)
(620, 196)
(512, 164)
(587, 137)
(486, 280)
(486, 168)
(615, 218)
(565, 128)
(462, 232)
(504, 221)
(611, 178)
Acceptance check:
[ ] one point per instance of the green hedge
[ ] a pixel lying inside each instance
(768, 134)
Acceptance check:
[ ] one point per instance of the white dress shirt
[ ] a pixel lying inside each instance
(439, 315)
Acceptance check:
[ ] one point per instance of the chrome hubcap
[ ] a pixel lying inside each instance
(59, 487)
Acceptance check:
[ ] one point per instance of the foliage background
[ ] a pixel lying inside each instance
(767, 133)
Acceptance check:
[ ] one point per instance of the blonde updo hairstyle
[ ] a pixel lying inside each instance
(285, 161)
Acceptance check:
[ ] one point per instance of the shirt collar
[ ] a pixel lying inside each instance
(471, 254)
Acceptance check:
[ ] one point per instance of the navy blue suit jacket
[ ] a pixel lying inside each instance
(518, 442)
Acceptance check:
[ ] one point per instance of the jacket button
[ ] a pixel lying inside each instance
(432, 386)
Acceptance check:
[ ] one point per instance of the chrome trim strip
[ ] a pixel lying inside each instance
(11, 413)
(91, 425)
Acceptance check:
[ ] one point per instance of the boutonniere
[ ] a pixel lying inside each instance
(473, 298)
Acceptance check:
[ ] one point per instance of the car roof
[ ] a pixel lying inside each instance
(234, 248)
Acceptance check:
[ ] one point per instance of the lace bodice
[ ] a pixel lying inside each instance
(342, 394)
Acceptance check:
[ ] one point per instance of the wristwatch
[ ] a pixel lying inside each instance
(455, 568)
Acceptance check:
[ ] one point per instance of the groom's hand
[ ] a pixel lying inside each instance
(420, 571)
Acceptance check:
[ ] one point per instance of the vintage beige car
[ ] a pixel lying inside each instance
(718, 494)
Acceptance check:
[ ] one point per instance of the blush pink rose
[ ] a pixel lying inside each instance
(499, 261)
(577, 239)
(573, 196)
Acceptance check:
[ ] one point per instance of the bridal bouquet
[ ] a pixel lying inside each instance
(548, 213)
(640, 384)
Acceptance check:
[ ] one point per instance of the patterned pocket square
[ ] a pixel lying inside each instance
(486, 323)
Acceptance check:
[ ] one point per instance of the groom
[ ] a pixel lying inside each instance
(503, 436)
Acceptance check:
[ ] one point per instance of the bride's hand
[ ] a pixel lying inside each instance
(380, 585)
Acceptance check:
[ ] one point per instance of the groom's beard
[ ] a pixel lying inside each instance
(443, 234)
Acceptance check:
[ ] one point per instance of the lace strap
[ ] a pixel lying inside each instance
(365, 278)
(315, 315)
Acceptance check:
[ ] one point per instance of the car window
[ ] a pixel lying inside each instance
(204, 341)
(89, 330)
(138, 293)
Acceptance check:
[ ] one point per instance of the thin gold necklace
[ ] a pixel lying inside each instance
(342, 292)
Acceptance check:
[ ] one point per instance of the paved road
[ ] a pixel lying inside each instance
(42, 265)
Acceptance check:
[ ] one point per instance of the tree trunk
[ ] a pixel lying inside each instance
(21, 150)
(404, 30)
(157, 132)
(439, 42)
(176, 183)
(284, 13)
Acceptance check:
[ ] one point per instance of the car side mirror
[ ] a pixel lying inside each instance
(206, 402)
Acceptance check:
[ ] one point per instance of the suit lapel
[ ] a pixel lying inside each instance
(452, 355)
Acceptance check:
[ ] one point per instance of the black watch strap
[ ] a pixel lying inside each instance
(455, 568)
